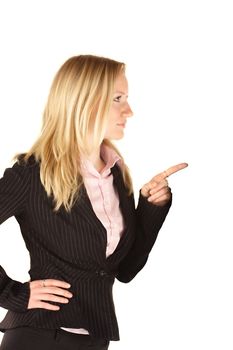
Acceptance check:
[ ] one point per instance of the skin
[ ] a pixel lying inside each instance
(156, 191)
(119, 111)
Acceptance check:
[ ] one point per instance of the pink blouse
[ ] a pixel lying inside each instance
(105, 202)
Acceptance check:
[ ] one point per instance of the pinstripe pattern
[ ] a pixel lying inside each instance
(72, 247)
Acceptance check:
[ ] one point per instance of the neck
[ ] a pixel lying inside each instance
(96, 160)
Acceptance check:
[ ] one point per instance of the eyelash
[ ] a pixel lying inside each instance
(116, 99)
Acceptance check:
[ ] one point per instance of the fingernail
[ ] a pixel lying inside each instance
(68, 285)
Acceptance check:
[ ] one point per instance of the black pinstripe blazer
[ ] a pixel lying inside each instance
(72, 247)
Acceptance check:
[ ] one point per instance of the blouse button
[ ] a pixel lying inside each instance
(102, 273)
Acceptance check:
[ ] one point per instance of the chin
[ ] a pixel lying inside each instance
(119, 137)
(115, 136)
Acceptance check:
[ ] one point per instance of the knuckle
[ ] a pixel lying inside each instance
(55, 290)
(50, 297)
(64, 292)
(153, 197)
(34, 284)
(154, 182)
(56, 299)
(62, 300)
(50, 282)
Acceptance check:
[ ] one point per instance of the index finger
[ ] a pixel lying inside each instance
(49, 283)
(173, 169)
(57, 283)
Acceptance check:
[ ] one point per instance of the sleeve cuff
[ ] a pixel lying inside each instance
(14, 295)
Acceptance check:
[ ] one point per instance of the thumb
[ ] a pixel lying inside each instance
(145, 189)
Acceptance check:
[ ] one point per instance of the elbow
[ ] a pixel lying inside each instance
(124, 279)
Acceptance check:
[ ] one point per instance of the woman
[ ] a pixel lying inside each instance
(72, 196)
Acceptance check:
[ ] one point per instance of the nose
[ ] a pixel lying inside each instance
(127, 112)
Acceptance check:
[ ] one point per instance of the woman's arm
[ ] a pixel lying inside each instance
(14, 186)
(154, 203)
(148, 221)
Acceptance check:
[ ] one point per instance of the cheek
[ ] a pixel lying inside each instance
(113, 131)
(113, 115)
(115, 109)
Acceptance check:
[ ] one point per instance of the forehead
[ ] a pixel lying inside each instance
(121, 84)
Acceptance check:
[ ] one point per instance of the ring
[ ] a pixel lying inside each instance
(43, 283)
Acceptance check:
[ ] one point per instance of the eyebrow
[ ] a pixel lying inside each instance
(120, 92)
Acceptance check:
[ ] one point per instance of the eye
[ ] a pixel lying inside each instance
(117, 99)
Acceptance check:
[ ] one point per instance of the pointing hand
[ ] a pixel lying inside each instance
(157, 189)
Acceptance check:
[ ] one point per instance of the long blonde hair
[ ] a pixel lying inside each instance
(74, 123)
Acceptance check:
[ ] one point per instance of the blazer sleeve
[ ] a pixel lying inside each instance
(148, 221)
(14, 184)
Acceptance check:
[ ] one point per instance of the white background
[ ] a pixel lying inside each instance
(180, 71)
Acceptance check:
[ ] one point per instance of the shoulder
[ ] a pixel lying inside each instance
(24, 162)
(22, 168)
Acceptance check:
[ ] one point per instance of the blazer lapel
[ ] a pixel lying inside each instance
(123, 197)
(127, 209)
(84, 208)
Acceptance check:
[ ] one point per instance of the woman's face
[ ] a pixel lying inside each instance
(119, 111)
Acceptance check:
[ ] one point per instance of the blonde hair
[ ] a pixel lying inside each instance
(74, 123)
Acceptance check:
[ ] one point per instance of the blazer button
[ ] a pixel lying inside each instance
(102, 273)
